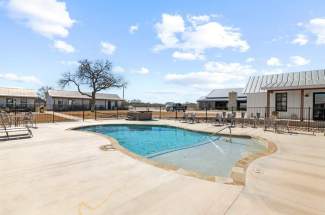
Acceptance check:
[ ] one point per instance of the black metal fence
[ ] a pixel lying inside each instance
(294, 117)
(18, 107)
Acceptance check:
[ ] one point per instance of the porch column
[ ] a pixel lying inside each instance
(302, 101)
(267, 114)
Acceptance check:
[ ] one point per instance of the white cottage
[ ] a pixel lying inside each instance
(17, 98)
(296, 95)
(73, 100)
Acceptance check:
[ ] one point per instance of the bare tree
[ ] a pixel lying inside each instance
(42, 92)
(96, 76)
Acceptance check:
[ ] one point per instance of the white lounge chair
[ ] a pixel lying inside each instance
(12, 129)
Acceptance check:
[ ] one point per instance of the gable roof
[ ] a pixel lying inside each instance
(283, 81)
(223, 94)
(77, 95)
(18, 92)
(217, 93)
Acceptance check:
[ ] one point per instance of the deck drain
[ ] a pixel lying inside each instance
(107, 148)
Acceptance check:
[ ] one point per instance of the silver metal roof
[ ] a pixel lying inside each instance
(77, 95)
(220, 99)
(217, 93)
(283, 81)
(222, 95)
(17, 92)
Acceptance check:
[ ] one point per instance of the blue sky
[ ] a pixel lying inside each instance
(166, 50)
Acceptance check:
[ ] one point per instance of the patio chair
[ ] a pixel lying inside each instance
(231, 119)
(185, 118)
(219, 120)
(234, 114)
(12, 131)
(192, 118)
(257, 119)
(242, 116)
(253, 120)
(272, 122)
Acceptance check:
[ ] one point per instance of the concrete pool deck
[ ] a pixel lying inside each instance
(61, 171)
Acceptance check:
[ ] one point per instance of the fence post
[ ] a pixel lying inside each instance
(53, 116)
(15, 113)
(308, 124)
(116, 112)
(176, 114)
(95, 113)
(265, 118)
(83, 113)
(159, 112)
(206, 114)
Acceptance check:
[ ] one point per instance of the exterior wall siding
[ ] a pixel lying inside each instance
(101, 104)
(256, 102)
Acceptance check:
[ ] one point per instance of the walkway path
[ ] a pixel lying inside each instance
(66, 116)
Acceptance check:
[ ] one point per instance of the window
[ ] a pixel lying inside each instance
(281, 102)
(23, 102)
(319, 106)
(10, 101)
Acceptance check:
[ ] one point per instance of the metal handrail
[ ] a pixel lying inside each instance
(218, 132)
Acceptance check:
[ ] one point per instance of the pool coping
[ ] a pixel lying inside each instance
(238, 171)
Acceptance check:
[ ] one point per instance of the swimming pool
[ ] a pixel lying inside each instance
(195, 151)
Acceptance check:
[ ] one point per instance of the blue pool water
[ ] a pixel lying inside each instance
(196, 151)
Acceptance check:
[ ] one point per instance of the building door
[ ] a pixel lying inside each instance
(319, 106)
(109, 105)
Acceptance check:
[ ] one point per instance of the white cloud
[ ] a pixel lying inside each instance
(250, 60)
(133, 29)
(118, 69)
(214, 75)
(142, 71)
(63, 46)
(200, 34)
(195, 20)
(317, 27)
(300, 39)
(107, 48)
(299, 61)
(167, 29)
(187, 55)
(49, 18)
(273, 61)
(20, 78)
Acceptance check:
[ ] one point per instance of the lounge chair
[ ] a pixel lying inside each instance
(12, 131)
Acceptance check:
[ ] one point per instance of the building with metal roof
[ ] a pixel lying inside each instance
(17, 92)
(285, 81)
(222, 99)
(289, 93)
(17, 98)
(68, 100)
